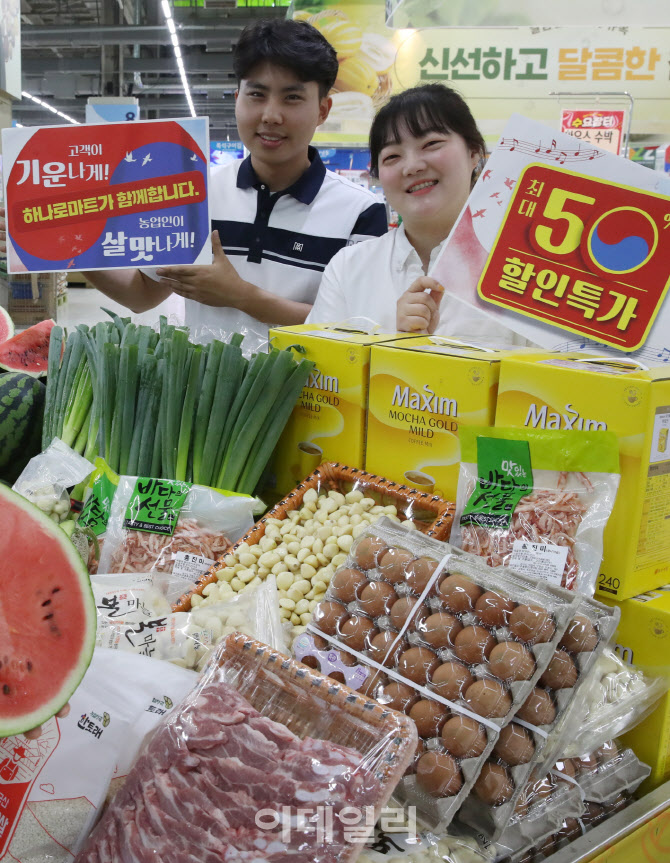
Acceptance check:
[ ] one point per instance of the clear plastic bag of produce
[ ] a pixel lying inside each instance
(265, 759)
(136, 617)
(390, 845)
(46, 478)
(614, 698)
(52, 788)
(172, 527)
(537, 501)
(254, 339)
(97, 506)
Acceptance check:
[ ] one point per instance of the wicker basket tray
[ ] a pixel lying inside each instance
(431, 514)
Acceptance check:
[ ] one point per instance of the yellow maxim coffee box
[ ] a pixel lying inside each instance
(643, 639)
(328, 422)
(421, 390)
(583, 391)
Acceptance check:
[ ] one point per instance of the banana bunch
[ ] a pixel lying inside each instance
(365, 59)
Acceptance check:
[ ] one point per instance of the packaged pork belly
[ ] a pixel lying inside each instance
(265, 760)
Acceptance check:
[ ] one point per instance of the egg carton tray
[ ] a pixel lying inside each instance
(431, 514)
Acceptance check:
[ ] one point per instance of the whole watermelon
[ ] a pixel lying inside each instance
(21, 415)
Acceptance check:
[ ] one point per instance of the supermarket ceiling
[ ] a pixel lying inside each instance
(73, 49)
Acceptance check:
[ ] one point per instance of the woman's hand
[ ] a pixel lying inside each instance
(418, 309)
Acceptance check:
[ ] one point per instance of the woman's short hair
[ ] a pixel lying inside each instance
(420, 110)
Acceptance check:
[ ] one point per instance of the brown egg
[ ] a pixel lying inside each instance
(458, 593)
(569, 831)
(580, 636)
(376, 598)
(521, 807)
(398, 696)
(510, 660)
(373, 684)
(450, 680)
(561, 673)
(417, 664)
(392, 564)
(402, 608)
(474, 644)
(429, 716)
(541, 789)
(380, 645)
(538, 708)
(514, 745)
(532, 624)
(593, 813)
(607, 752)
(493, 609)
(368, 550)
(587, 763)
(566, 767)
(494, 785)
(357, 631)
(440, 629)
(488, 698)
(418, 574)
(327, 616)
(319, 644)
(438, 774)
(464, 737)
(346, 583)
(418, 752)
(547, 848)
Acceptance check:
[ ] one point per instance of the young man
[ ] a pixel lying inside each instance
(279, 216)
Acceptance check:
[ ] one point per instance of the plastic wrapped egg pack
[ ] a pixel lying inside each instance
(452, 643)
(576, 794)
(531, 743)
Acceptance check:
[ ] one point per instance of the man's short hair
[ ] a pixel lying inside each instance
(295, 45)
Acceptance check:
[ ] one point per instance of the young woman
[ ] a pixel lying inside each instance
(426, 149)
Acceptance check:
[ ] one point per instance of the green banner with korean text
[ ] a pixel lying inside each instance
(499, 71)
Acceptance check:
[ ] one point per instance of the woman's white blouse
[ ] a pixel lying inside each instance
(367, 279)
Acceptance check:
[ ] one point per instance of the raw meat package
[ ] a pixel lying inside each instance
(537, 501)
(265, 759)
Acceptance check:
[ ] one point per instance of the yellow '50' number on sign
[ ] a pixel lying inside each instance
(575, 226)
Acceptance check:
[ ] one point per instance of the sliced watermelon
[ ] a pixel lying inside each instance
(28, 351)
(47, 616)
(6, 325)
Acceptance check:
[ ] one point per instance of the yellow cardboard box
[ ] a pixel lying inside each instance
(643, 639)
(582, 391)
(422, 389)
(328, 422)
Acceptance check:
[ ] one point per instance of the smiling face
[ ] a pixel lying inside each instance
(277, 114)
(426, 179)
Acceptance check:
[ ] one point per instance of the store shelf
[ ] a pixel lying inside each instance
(639, 833)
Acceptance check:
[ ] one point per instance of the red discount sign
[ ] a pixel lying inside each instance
(582, 254)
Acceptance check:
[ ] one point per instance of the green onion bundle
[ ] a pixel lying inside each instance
(155, 404)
